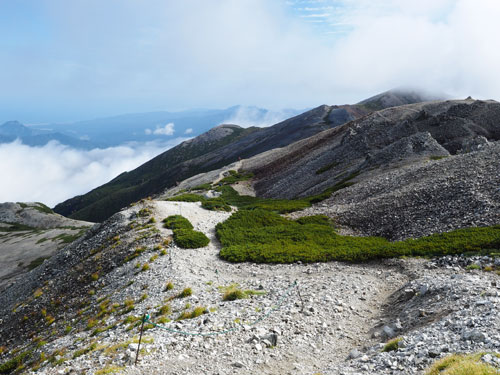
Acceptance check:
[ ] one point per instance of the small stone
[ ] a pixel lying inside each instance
(388, 331)
(353, 354)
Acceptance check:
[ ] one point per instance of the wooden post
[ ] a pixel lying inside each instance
(140, 339)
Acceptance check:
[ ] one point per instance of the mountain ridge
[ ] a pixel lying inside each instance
(103, 201)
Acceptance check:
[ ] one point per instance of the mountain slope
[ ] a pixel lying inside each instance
(189, 158)
(30, 233)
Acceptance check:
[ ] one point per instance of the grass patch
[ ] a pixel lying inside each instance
(35, 263)
(164, 310)
(68, 238)
(461, 364)
(202, 187)
(14, 363)
(111, 369)
(138, 251)
(265, 237)
(185, 293)
(200, 310)
(16, 227)
(438, 157)
(85, 350)
(392, 345)
(42, 208)
(234, 294)
(327, 167)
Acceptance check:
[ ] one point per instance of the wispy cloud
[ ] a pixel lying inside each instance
(53, 173)
(316, 15)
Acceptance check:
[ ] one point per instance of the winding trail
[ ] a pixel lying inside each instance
(341, 306)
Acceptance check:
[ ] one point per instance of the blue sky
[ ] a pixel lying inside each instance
(69, 60)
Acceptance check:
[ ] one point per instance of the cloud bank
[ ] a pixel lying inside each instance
(54, 172)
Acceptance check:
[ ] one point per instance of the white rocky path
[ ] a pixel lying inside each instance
(341, 305)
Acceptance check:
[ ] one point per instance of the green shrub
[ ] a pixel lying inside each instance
(188, 197)
(177, 222)
(203, 187)
(316, 219)
(235, 176)
(215, 204)
(169, 286)
(266, 237)
(190, 239)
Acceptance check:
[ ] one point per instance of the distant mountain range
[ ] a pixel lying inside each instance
(138, 127)
(12, 130)
(218, 147)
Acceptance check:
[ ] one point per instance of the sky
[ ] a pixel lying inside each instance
(63, 61)
(73, 60)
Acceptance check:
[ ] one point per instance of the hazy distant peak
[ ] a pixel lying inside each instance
(214, 134)
(399, 96)
(14, 128)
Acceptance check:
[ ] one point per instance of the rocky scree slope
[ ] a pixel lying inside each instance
(84, 307)
(423, 198)
(216, 148)
(30, 233)
(383, 140)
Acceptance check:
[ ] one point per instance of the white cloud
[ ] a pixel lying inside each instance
(168, 129)
(54, 172)
(188, 131)
(253, 116)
